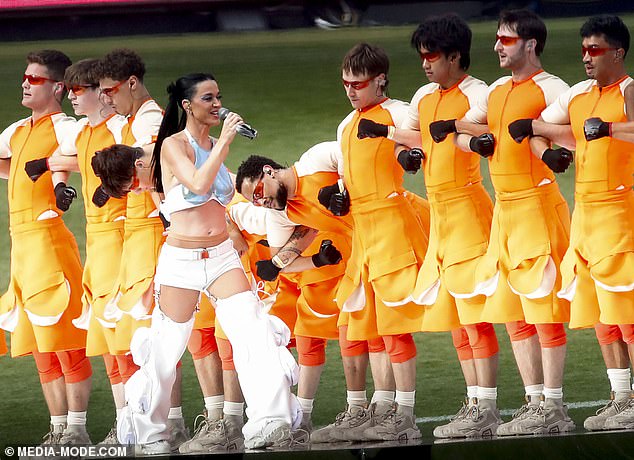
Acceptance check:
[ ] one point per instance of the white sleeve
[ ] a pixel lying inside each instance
(146, 125)
(557, 112)
(66, 130)
(412, 120)
(249, 218)
(322, 157)
(68, 144)
(340, 129)
(398, 110)
(557, 95)
(479, 108)
(279, 228)
(5, 139)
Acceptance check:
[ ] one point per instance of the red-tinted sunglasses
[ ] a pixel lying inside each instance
(36, 80)
(430, 57)
(258, 191)
(506, 40)
(78, 90)
(357, 85)
(595, 51)
(113, 89)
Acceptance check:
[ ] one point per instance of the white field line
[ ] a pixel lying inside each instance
(574, 405)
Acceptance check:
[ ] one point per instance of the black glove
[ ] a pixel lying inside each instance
(164, 221)
(557, 159)
(35, 168)
(368, 128)
(441, 129)
(64, 196)
(335, 201)
(521, 129)
(410, 160)
(327, 255)
(483, 145)
(266, 270)
(100, 197)
(595, 128)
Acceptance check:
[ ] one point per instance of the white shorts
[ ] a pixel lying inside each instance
(195, 269)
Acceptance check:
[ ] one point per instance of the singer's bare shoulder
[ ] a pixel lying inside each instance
(175, 147)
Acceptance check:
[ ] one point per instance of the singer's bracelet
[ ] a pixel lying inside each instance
(390, 132)
(278, 262)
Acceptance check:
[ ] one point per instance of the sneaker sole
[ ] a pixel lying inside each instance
(486, 432)
(559, 427)
(406, 435)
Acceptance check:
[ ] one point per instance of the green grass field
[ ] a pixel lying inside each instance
(287, 85)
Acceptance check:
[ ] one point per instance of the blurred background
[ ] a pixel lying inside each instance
(89, 18)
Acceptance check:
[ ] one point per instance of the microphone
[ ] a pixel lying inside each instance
(242, 129)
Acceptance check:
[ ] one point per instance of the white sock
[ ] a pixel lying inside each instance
(175, 412)
(306, 405)
(233, 408)
(357, 398)
(620, 380)
(214, 402)
(534, 392)
(490, 393)
(383, 396)
(76, 418)
(554, 393)
(119, 412)
(472, 392)
(405, 398)
(58, 422)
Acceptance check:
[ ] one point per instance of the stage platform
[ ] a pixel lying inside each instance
(578, 446)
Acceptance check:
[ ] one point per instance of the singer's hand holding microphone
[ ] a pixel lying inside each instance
(234, 121)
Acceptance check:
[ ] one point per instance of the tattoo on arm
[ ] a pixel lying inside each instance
(296, 244)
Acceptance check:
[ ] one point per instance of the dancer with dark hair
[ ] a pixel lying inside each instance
(198, 256)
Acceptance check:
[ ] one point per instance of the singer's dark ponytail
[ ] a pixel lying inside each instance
(183, 88)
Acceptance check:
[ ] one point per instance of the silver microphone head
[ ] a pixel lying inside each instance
(222, 113)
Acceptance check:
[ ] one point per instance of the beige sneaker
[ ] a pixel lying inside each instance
(178, 432)
(393, 426)
(352, 418)
(478, 421)
(54, 435)
(549, 417)
(615, 406)
(75, 435)
(376, 411)
(624, 420)
(215, 436)
(444, 431)
(111, 437)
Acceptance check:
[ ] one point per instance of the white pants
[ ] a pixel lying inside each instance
(156, 350)
(266, 369)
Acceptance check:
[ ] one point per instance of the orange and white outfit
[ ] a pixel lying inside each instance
(45, 292)
(132, 305)
(389, 240)
(317, 310)
(598, 268)
(104, 233)
(461, 212)
(530, 227)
